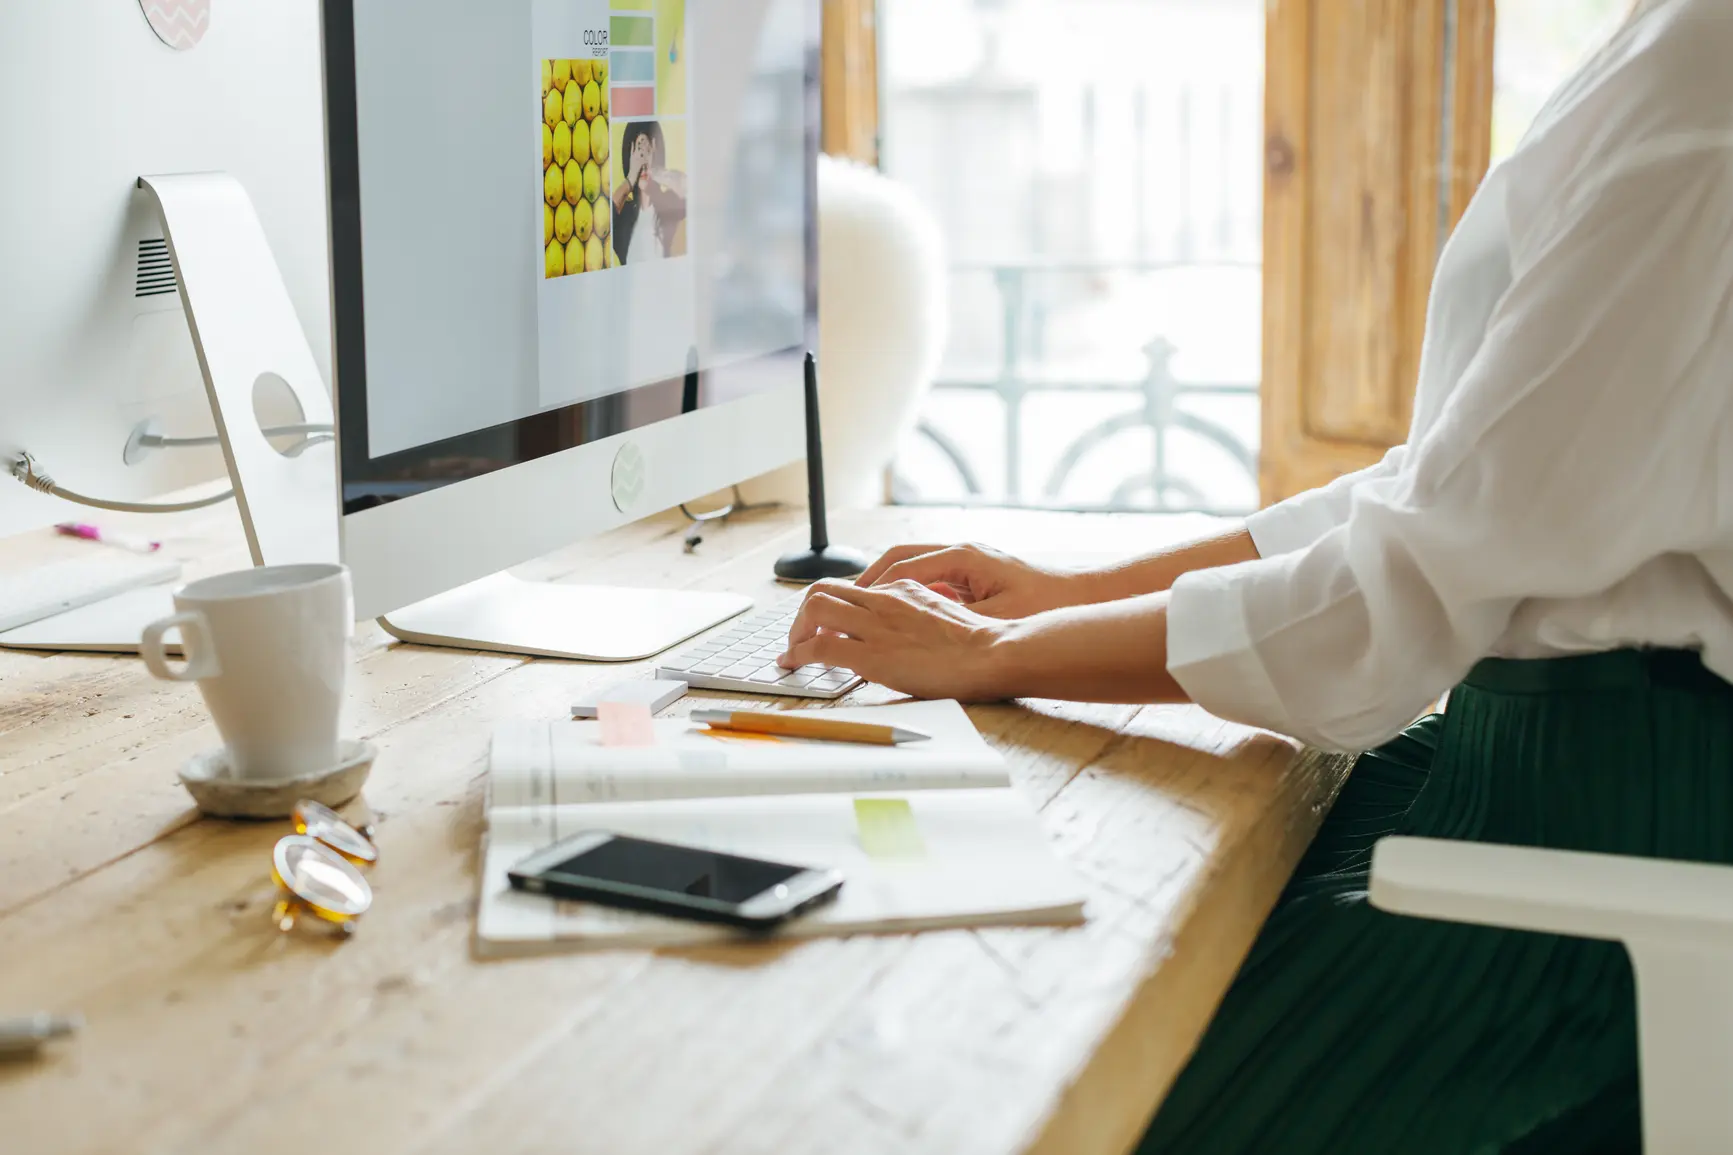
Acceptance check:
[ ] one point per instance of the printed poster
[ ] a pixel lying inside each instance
(616, 303)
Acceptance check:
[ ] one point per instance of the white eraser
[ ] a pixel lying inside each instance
(655, 695)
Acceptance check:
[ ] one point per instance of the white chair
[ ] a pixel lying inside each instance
(1675, 919)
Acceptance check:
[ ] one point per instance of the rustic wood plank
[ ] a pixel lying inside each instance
(207, 1031)
(1471, 116)
(1362, 186)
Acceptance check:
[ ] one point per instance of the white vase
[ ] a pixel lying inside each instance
(882, 318)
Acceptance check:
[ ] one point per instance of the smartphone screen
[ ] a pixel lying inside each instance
(705, 874)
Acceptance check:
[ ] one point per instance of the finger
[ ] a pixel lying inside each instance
(825, 650)
(888, 602)
(891, 557)
(954, 566)
(821, 611)
(846, 591)
(946, 589)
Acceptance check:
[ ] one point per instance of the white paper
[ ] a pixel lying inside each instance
(985, 860)
(563, 762)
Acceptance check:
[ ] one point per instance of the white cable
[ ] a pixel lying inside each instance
(158, 441)
(26, 470)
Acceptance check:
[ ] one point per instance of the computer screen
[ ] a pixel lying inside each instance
(561, 220)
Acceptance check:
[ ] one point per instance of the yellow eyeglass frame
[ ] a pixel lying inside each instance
(316, 869)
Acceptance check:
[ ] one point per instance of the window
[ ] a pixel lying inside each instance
(1097, 169)
(1539, 44)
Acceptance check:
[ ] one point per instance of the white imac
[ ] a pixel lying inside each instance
(95, 348)
(574, 262)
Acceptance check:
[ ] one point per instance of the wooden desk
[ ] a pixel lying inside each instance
(207, 1031)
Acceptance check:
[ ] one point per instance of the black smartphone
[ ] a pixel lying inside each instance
(684, 881)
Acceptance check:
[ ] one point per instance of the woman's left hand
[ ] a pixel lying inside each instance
(902, 635)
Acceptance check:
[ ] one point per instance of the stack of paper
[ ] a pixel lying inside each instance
(926, 834)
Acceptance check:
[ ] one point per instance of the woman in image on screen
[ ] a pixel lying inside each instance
(650, 203)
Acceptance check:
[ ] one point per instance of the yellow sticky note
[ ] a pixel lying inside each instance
(887, 828)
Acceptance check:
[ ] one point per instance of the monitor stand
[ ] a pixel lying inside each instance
(509, 615)
(246, 334)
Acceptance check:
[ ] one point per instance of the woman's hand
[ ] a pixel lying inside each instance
(989, 582)
(903, 635)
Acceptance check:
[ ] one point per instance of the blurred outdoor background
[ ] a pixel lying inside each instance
(1096, 166)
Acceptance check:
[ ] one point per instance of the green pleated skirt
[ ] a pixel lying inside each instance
(1351, 1030)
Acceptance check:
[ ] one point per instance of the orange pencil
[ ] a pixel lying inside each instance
(807, 725)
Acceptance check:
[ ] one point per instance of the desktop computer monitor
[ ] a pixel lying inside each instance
(574, 269)
(94, 342)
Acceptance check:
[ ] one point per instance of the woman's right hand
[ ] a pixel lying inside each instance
(989, 582)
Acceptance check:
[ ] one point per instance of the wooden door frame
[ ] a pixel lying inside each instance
(850, 88)
(1439, 117)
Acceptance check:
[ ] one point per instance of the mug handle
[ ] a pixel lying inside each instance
(201, 655)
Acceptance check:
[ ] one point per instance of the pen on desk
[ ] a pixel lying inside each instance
(96, 533)
(24, 1036)
(807, 725)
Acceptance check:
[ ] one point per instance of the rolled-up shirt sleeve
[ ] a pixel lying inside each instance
(1304, 518)
(1585, 438)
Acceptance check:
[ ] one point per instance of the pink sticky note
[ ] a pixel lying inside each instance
(626, 724)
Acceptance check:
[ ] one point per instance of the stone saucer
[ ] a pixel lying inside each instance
(208, 778)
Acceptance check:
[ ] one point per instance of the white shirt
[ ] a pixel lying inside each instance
(1567, 485)
(646, 244)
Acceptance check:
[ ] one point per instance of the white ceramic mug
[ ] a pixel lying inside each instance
(269, 648)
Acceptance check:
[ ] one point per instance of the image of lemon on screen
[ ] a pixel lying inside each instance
(581, 143)
(577, 141)
(599, 139)
(604, 216)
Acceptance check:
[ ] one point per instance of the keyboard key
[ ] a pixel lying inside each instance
(767, 674)
(713, 666)
(739, 670)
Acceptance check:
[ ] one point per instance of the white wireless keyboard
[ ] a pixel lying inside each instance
(31, 595)
(743, 658)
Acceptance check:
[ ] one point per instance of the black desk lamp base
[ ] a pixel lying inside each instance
(810, 565)
(823, 560)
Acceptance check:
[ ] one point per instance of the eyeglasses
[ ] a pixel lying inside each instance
(315, 869)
